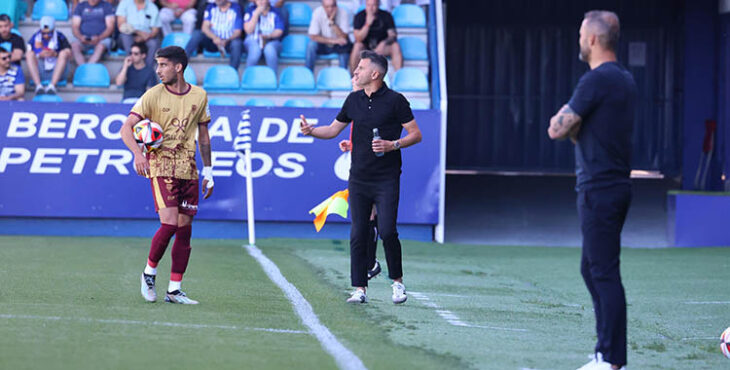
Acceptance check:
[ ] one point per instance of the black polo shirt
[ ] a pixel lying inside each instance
(385, 110)
(378, 30)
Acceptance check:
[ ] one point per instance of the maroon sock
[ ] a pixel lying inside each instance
(159, 242)
(181, 252)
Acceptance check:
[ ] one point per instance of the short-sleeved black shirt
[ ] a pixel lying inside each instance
(605, 99)
(12, 42)
(378, 30)
(385, 110)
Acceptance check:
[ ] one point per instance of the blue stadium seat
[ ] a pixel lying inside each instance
(213, 54)
(57, 9)
(90, 99)
(260, 102)
(409, 15)
(258, 78)
(221, 78)
(333, 103)
(91, 75)
(129, 100)
(418, 104)
(190, 76)
(294, 46)
(334, 78)
(300, 14)
(296, 78)
(176, 38)
(223, 100)
(299, 103)
(11, 9)
(48, 98)
(410, 79)
(413, 48)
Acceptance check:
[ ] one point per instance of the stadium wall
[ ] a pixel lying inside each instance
(65, 172)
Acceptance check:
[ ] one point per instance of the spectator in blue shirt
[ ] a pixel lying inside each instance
(47, 56)
(92, 26)
(12, 81)
(264, 28)
(221, 31)
(139, 21)
(135, 75)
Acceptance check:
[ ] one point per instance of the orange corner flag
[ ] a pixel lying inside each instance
(337, 204)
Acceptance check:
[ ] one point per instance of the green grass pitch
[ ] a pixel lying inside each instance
(74, 303)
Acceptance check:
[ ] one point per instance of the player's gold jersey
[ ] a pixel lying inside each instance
(179, 116)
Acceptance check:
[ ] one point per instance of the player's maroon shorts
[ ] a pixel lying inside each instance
(172, 192)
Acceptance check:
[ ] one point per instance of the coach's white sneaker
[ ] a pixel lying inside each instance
(597, 363)
(147, 283)
(399, 292)
(178, 297)
(358, 296)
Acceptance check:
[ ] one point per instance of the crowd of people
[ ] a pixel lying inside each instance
(228, 27)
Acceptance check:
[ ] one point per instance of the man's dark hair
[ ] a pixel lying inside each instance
(175, 54)
(142, 47)
(376, 59)
(606, 26)
(5, 18)
(3, 50)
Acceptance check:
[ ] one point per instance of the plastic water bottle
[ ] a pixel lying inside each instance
(376, 136)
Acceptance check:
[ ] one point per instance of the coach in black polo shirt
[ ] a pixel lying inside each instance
(376, 167)
(599, 118)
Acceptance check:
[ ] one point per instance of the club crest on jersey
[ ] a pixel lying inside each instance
(194, 108)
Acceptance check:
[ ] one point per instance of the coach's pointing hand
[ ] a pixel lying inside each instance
(305, 128)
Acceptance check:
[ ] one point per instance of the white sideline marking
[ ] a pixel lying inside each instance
(702, 338)
(344, 358)
(707, 302)
(153, 323)
(451, 317)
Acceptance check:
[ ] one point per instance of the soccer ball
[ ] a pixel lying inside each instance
(725, 342)
(148, 134)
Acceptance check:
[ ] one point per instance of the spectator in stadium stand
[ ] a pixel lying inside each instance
(264, 28)
(178, 9)
(10, 41)
(221, 31)
(92, 26)
(48, 55)
(136, 76)
(375, 30)
(328, 32)
(139, 21)
(12, 81)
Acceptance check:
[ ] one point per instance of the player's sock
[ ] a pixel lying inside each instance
(150, 268)
(174, 285)
(160, 241)
(180, 254)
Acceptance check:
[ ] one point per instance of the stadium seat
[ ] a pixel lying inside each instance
(91, 75)
(413, 48)
(296, 78)
(409, 15)
(260, 102)
(258, 78)
(213, 54)
(47, 98)
(221, 78)
(333, 103)
(334, 78)
(90, 99)
(57, 9)
(223, 100)
(410, 79)
(129, 100)
(294, 46)
(299, 103)
(176, 38)
(418, 104)
(11, 9)
(300, 14)
(190, 76)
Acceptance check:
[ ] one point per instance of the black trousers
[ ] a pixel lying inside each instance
(602, 214)
(385, 195)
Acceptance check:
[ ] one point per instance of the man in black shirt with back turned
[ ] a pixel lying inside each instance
(375, 169)
(599, 119)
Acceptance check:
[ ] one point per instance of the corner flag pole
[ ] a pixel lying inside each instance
(242, 145)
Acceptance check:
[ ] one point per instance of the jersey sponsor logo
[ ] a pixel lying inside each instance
(187, 205)
(179, 124)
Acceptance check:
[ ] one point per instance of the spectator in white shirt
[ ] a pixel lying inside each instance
(328, 34)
